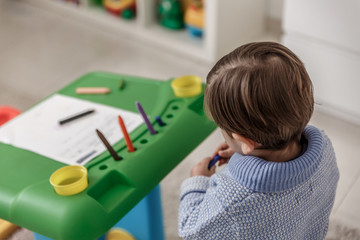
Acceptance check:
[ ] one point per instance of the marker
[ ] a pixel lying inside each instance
(92, 90)
(108, 146)
(214, 160)
(160, 121)
(128, 141)
(143, 114)
(76, 116)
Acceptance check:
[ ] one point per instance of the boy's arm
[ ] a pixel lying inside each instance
(201, 214)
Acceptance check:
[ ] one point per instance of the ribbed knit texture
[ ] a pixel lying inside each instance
(255, 199)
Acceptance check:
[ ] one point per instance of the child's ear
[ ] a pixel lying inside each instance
(247, 145)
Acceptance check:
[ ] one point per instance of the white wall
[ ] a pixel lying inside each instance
(274, 8)
(327, 41)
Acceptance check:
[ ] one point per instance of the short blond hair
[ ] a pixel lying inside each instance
(262, 91)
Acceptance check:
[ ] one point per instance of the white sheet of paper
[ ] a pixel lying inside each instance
(75, 142)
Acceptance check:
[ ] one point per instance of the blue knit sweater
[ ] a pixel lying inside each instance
(256, 199)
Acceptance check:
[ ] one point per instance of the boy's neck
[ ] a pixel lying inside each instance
(290, 152)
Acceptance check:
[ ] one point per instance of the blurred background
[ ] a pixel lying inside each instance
(47, 44)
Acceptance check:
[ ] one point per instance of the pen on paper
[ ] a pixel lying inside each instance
(76, 116)
(86, 157)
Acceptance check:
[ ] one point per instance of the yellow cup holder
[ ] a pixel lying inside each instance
(119, 234)
(187, 86)
(69, 180)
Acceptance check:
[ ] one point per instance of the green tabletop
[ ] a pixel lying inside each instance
(115, 187)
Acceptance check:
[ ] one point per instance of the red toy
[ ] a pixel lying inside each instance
(7, 113)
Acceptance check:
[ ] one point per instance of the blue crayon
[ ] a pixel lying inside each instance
(214, 160)
(160, 121)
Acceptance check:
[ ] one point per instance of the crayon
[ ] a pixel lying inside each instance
(147, 122)
(76, 116)
(121, 84)
(214, 160)
(160, 121)
(92, 90)
(108, 146)
(128, 141)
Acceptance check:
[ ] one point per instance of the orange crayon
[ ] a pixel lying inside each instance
(92, 90)
(128, 141)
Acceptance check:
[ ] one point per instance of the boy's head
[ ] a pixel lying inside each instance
(262, 92)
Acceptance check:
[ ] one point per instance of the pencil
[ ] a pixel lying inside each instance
(147, 122)
(108, 146)
(76, 116)
(92, 90)
(128, 141)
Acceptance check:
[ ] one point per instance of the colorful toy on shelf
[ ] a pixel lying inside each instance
(194, 18)
(171, 14)
(97, 3)
(124, 8)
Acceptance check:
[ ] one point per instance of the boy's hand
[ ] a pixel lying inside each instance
(225, 152)
(201, 169)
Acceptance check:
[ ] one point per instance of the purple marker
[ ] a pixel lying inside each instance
(143, 114)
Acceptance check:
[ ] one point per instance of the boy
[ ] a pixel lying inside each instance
(281, 176)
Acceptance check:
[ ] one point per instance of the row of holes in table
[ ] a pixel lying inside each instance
(144, 141)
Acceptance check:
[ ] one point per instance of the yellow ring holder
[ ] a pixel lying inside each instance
(69, 180)
(187, 86)
(119, 234)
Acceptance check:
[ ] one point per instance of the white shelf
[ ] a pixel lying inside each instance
(228, 24)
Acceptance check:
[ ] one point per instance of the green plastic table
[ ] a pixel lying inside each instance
(115, 187)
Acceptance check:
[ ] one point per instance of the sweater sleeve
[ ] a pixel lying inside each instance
(201, 214)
